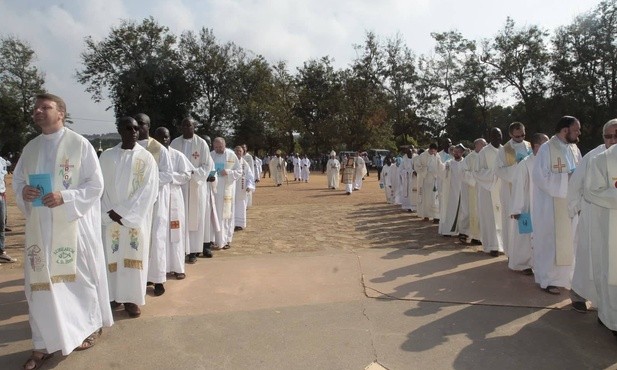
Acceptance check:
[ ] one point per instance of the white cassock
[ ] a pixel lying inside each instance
(197, 192)
(224, 195)
(178, 236)
(305, 166)
(553, 247)
(582, 279)
(245, 185)
(509, 155)
(258, 168)
(395, 180)
(251, 162)
(296, 161)
(470, 166)
(333, 168)
(489, 206)
(386, 182)
(444, 156)
(157, 264)
(360, 173)
(277, 169)
(601, 192)
(131, 187)
(406, 183)
(451, 181)
(63, 315)
(427, 168)
(521, 198)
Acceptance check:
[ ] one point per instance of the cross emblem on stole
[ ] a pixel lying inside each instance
(559, 166)
(195, 155)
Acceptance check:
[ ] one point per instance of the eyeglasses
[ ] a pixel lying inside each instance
(609, 136)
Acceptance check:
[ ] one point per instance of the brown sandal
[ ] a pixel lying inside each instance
(36, 360)
(90, 340)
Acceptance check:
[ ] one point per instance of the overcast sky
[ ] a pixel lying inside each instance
(290, 30)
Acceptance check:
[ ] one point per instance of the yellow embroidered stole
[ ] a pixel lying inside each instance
(62, 266)
(130, 238)
(564, 247)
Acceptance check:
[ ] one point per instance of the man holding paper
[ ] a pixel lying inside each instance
(228, 170)
(65, 280)
(521, 255)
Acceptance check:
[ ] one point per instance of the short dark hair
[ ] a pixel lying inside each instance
(515, 126)
(565, 121)
(536, 138)
(55, 98)
(123, 120)
(433, 146)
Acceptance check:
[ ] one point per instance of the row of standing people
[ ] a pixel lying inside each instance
(98, 230)
(542, 204)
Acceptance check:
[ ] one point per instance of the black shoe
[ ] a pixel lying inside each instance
(226, 246)
(580, 307)
(494, 253)
(207, 253)
(159, 289)
(551, 289)
(238, 228)
(348, 193)
(192, 258)
(114, 305)
(149, 283)
(527, 272)
(476, 242)
(435, 220)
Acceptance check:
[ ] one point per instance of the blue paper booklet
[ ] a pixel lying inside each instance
(524, 223)
(219, 167)
(41, 181)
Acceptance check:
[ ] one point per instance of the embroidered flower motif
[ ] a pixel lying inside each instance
(115, 240)
(134, 235)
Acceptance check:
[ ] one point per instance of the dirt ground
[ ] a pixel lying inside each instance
(302, 217)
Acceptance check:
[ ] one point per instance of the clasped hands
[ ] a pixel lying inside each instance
(51, 200)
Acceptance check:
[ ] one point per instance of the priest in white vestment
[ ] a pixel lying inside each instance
(470, 166)
(521, 257)
(553, 245)
(406, 178)
(395, 178)
(511, 153)
(489, 206)
(600, 190)
(277, 168)
(131, 187)
(360, 167)
(228, 170)
(257, 170)
(157, 264)
(64, 263)
(197, 193)
(583, 286)
(305, 168)
(251, 162)
(454, 202)
(427, 166)
(177, 235)
(245, 185)
(333, 168)
(386, 179)
(297, 166)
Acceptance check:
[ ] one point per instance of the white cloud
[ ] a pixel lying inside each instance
(295, 31)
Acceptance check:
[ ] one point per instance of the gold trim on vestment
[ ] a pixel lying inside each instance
(69, 278)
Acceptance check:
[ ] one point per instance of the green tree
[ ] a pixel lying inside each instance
(518, 58)
(139, 69)
(282, 121)
(210, 67)
(318, 105)
(584, 64)
(20, 81)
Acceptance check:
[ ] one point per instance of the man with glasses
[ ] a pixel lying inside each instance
(131, 186)
(511, 153)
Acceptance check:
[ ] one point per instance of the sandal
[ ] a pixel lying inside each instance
(90, 340)
(36, 360)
